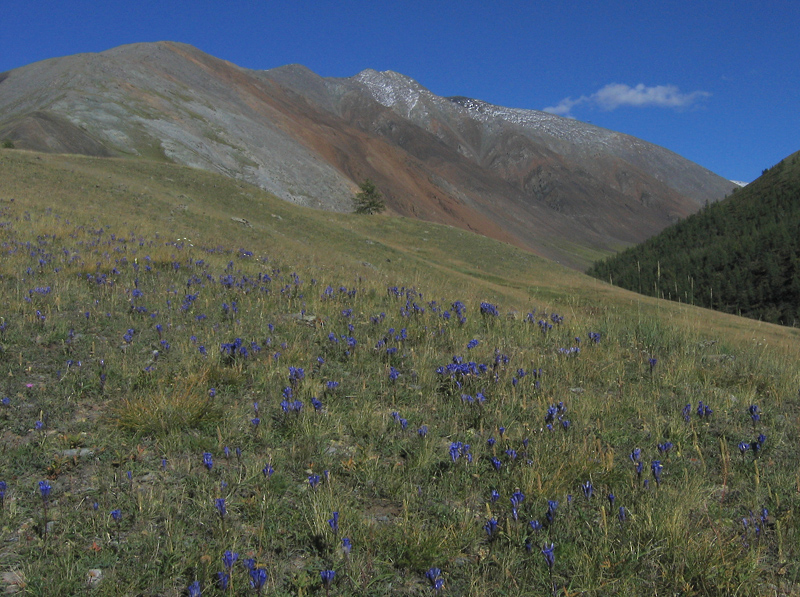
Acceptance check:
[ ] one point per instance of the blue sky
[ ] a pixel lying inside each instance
(717, 82)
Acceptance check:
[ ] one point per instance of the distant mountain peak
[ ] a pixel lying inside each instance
(392, 89)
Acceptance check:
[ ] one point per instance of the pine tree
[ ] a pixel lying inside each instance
(369, 200)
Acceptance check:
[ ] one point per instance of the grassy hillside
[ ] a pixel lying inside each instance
(409, 406)
(741, 255)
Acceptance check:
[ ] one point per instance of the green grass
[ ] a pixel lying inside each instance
(95, 231)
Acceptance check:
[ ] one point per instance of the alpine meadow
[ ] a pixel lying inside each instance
(207, 390)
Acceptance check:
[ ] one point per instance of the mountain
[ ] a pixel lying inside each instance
(564, 189)
(740, 255)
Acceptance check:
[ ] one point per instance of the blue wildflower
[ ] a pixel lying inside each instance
(229, 559)
(434, 576)
(549, 555)
(327, 577)
(656, 466)
(194, 589)
(665, 447)
(550, 515)
(687, 411)
(258, 578)
(333, 522)
(490, 527)
(489, 309)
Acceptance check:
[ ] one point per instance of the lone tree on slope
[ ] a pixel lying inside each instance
(369, 199)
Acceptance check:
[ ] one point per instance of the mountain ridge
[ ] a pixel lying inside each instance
(310, 140)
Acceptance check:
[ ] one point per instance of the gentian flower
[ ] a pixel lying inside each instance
(208, 460)
(665, 447)
(194, 589)
(313, 481)
(327, 578)
(687, 411)
(223, 580)
(347, 546)
(549, 555)
(334, 522)
(455, 450)
(229, 559)
(258, 578)
(517, 498)
(432, 574)
(551, 511)
(490, 527)
(657, 466)
(219, 504)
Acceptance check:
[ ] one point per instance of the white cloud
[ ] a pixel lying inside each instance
(616, 95)
(564, 107)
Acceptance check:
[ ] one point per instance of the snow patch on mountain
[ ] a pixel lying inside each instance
(393, 90)
(407, 97)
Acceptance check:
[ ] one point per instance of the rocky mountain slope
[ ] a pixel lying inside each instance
(564, 189)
